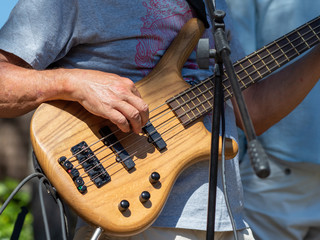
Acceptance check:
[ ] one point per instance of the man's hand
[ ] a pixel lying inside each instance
(109, 96)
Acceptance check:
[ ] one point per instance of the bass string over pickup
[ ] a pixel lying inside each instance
(111, 141)
(154, 136)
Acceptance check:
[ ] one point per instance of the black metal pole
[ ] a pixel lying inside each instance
(213, 163)
(258, 157)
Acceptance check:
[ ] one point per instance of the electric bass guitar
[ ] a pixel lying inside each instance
(121, 181)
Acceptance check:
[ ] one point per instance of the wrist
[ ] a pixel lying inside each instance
(58, 85)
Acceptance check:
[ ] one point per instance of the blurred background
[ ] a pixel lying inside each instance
(15, 154)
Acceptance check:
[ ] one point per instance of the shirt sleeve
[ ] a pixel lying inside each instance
(40, 31)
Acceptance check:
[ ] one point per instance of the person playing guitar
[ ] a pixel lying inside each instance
(66, 56)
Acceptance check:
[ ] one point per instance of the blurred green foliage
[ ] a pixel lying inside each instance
(10, 214)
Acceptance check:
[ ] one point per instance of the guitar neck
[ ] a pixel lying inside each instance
(197, 100)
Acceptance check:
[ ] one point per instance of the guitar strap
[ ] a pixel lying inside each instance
(199, 7)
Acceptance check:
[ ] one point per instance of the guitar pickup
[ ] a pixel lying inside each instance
(154, 137)
(112, 142)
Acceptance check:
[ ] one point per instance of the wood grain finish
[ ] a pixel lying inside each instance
(58, 126)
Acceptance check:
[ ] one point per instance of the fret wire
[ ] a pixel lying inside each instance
(272, 57)
(244, 78)
(192, 104)
(189, 89)
(208, 101)
(226, 98)
(207, 91)
(199, 95)
(313, 32)
(196, 98)
(202, 93)
(255, 80)
(284, 54)
(226, 88)
(226, 79)
(283, 62)
(230, 95)
(210, 94)
(184, 109)
(237, 70)
(293, 47)
(255, 66)
(210, 87)
(246, 73)
(303, 39)
(276, 43)
(265, 64)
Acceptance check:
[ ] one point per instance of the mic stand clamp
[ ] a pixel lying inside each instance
(258, 157)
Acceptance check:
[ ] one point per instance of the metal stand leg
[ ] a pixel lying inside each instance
(96, 234)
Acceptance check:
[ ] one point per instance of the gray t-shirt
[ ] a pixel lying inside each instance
(126, 38)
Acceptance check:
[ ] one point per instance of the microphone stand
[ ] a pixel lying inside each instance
(258, 157)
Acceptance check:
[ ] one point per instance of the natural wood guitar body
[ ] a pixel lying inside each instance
(58, 126)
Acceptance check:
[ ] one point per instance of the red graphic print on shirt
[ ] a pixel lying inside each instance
(160, 26)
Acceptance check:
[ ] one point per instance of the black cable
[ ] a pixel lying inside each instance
(43, 210)
(43, 179)
(62, 219)
(20, 185)
(223, 175)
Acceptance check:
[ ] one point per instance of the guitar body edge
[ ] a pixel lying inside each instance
(58, 126)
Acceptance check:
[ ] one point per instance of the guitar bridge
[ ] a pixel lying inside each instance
(91, 165)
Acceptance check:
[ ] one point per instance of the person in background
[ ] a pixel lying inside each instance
(92, 52)
(286, 204)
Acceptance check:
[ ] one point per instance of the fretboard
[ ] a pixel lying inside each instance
(196, 101)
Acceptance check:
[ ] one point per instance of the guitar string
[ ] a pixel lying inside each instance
(111, 155)
(277, 50)
(243, 69)
(179, 124)
(226, 79)
(251, 73)
(131, 154)
(262, 60)
(261, 50)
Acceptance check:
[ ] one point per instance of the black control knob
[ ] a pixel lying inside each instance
(154, 177)
(123, 205)
(144, 196)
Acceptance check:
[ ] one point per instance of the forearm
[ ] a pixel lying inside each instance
(275, 97)
(106, 95)
(23, 89)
